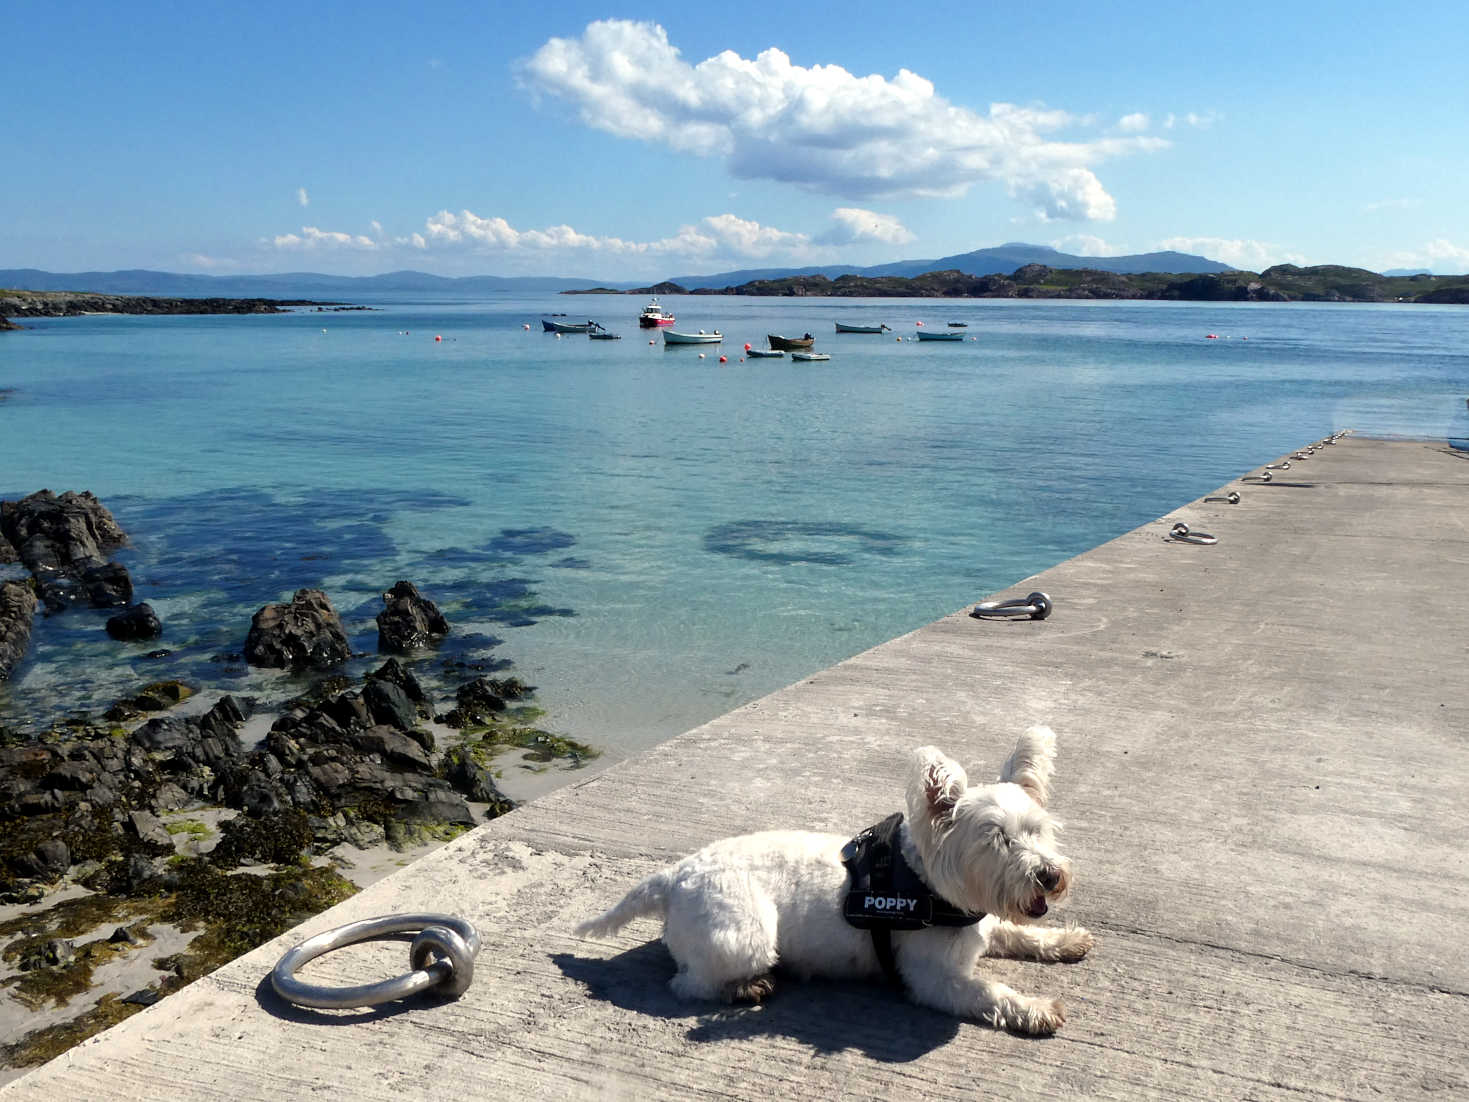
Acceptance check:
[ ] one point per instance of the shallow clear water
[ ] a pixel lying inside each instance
(650, 537)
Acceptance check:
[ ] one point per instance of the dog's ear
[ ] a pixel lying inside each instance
(934, 788)
(1032, 763)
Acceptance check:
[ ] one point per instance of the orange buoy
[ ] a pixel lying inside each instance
(723, 360)
(747, 346)
(438, 338)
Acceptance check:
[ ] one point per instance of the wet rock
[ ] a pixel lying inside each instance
(479, 700)
(107, 585)
(305, 634)
(389, 704)
(147, 996)
(17, 614)
(408, 620)
(394, 672)
(57, 533)
(135, 622)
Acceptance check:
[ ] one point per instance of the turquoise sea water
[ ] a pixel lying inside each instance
(650, 537)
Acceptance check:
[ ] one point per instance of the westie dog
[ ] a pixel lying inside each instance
(738, 908)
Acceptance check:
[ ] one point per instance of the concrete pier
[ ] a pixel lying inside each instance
(1263, 770)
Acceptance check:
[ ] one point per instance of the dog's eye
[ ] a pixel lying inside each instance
(1001, 838)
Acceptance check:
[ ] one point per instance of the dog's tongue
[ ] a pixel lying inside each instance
(1037, 907)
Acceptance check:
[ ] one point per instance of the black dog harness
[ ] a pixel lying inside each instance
(885, 894)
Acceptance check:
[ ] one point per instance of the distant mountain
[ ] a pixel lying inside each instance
(1001, 260)
(1400, 272)
(287, 285)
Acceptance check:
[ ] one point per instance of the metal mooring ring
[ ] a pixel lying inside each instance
(1230, 498)
(1263, 476)
(1283, 465)
(1183, 534)
(1035, 606)
(452, 943)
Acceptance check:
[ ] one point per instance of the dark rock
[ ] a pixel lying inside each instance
(17, 613)
(147, 996)
(439, 807)
(137, 875)
(408, 620)
(305, 634)
(135, 622)
(123, 936)
(51, 532)
(71, 776)
(389, 704)
(47, 861)
(108, 585)
(478, 700)
(474, 780)
(166, 733)
(393, 671)
(394, 746)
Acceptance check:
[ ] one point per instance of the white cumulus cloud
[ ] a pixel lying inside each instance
(311, 238)
(718, 235)
(853, 225)
(302, 197)
(1084, 244)
(1247, 256)
(821, 127)
(1135, 123)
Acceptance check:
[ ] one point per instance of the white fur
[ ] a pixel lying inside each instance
(739, 907)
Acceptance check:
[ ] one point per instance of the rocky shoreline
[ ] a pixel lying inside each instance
(68, 304)
(191, 819)
(1282, 283)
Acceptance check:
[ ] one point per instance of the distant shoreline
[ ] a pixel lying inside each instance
(1282, 283)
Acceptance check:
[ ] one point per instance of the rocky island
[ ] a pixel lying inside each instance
(69, 304)
(1282, 283)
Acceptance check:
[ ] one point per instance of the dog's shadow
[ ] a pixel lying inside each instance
(828, 1016)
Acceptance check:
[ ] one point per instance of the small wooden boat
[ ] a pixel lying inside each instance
(843, 327)
(568, 326)
(790, 344)
(701, 337)
(926, 335)
(653, 315)
(809, 357)
(603, 335)
(765, 353)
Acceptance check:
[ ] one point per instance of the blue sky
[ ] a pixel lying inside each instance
(617, 142)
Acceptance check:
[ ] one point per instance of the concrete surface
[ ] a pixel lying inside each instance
(1263, 753)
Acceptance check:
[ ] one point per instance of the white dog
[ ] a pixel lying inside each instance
(739, 907)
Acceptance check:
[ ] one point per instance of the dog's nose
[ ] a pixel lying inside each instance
(1048, 877)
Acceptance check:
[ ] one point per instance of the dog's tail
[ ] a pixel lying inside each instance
(648, 898)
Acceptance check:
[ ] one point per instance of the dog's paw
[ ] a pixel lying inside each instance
(1045, 1017)
(750, 991)
(1032, 1017)
(1074, 943)
(1039, 1017)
